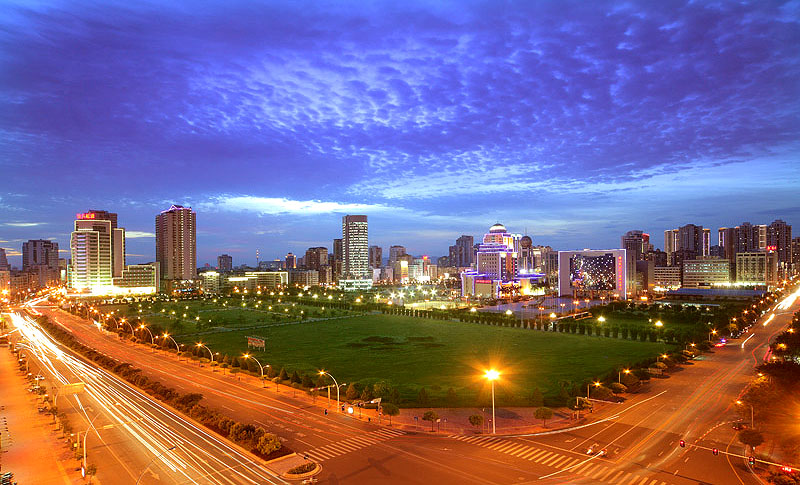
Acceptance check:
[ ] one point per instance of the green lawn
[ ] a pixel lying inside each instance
(411, 353)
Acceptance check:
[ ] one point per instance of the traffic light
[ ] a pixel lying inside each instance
(751, 460)
(715, 451)
(682, 443)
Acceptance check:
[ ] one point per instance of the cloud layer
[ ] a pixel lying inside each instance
(429, 118)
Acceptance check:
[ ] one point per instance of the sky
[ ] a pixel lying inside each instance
(572, 122)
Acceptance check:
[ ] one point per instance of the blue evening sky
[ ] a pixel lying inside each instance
(576, 121)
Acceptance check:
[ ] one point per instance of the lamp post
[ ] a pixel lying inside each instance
(323, 373)
(177, 347)
(662, 356)
(248, 356)
(152, 340)
(626, 371)
(151, 462)
(492, 375)
(713, 332)
(200, 344)
(752, 414)
(589, 386)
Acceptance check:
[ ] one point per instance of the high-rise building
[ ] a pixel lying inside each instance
(224, 263)
(176, 243)
(705, 272)
(39, 252)
(355, 245)
(526, 263)
(336, 259)
(760, 267)
(290, 261)
(316, 258)
(375, 256)
(637, 243)
(593, 273)
(795, 254)
(670, 244)
(4, 266)
(779, 239)
(462, 253)
(90, 249)
(117, 239)
(395, 252)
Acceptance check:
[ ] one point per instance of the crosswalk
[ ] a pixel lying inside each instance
(595, 469)
(352, 444)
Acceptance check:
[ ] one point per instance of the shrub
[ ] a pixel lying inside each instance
(618, 388)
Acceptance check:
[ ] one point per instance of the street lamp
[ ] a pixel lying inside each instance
(323, 373)
(601, 319)
(152, 340)
(177, 347)
(200, 344)
(662, 356)
(659, 323)
(752, 414)
(248, 356)
(492, 375)
(626, 371)
(713, 332)
(588, 386)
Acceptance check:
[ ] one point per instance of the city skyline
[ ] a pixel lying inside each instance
(571, 123)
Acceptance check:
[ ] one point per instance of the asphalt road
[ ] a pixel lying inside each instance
(694, 403)
(131, 434)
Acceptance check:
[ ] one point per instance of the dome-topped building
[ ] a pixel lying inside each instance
(498, 228)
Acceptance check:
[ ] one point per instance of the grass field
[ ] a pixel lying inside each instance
(411, 353)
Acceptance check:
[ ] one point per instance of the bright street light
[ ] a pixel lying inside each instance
(492, 375)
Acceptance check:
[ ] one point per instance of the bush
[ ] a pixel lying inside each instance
(618, 388)
(304, 468)
(602, 392)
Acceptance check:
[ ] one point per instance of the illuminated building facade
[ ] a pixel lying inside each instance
(705, 273)
(225, 263)
(90, 250)
(138, 279)
(759, 267)
(594, 273)
(355, 246)
(497, 272)
(176, 243)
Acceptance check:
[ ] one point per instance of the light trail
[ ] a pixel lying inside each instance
(787, 302)
(201, 456)
(771, 316)
(748, 338)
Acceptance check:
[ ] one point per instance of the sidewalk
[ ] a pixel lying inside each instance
(32, 448)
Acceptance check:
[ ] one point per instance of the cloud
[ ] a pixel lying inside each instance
(12, 252)
(138, 234)
(24, 224)
(285, 206)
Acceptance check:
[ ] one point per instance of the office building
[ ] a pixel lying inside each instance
(526, 261)
(211, 281)
(670, 244)
(4, 266)
(176, 243)
(395, 252)
(355, 246)
(757, 267)
(316, 258)
(224, 263)
(666, 278)
(117, 238)
(90, 250)
(462, 253)
(636, 243)
(375, 257)
(139, 278)
(595, 273)
(304, 277)
(795, 255)
(39, 252)
(705, 273)
(779, 239)
(335, 260)
(290, 261)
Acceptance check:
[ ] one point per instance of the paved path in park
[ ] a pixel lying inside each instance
(31, 447)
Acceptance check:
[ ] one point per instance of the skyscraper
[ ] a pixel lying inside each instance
(375, 256)
(290, 261)
(355, 244)
(224, 263)
(90, 249)
(779, 239)
(117, 239)
(176, 243)
(316, 258)
(395, 252)
(637, 243)
(4, 266)
(463, 252)
(39, 252)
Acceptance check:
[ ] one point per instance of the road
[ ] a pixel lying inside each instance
(132, 434)
(694, 403)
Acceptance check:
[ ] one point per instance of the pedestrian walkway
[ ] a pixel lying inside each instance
(352, 444)
(30, 446)
(593, 468)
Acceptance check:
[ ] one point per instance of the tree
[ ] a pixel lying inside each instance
(751, 438)
(431, 416)
(423, 399)
(296, 377)
(536, 398)
(476, 420)
(452, 397)
(352, 392)
(283, 375)
(544, 414)
(366, 394)
(390, 410)
(268, 443)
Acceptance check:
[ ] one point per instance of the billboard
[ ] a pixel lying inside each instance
(593, 272)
